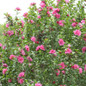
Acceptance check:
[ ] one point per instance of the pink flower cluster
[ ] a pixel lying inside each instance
(21, 81)
(68, 51)
(4, 71)
(67, 1)
(21, 74)
(75, 66)
(0, 44)
(38, 84)
(40, 47)
(22, 52)
(61, 42)
(27, 48)
(10, 32)
(84, 49)
(33, 39)
(29, 59)
(18, 9)
(25, 15)
(55, 12)
(42, 4)
(52, 51)
(12, 57)
(77, 32)
(33, 3)
(74, 24)
(62, 66)
(7, 25)
(22, 23)
(84, 38)
(60, 22)
(20, 59)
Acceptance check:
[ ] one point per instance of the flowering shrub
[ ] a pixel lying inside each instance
(47, 47)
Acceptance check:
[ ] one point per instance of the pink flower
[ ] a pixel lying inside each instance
(30, 64)
(52, 51)
(50, 8)
(21, 32)
(33, 3)
(80, 70)
(69, 45)
(84, 37)
(39, 10)
(77, 32)
(38, 84)
(63, 72)
(40, 47)
(3, 47)
(67, 14)
(37, 42)
(62, 65)
(20, 59)
(9, 80)
(55, 54)
(32, 21)
(80, 25)
(22, 52)
(12, 57)
(55, 10)
(21, 81)
(25, 15)
(57, 15)
(39, 16)
(17, 8)
(68, 51)
(58, 0)
(57, 73)
(74, 19)
(37, 48)
(84, 49)
(29, 59)
(5, 65)
(48, 12)
(4, 71)
(61, 42)
(75, 66)
(27, 48)
(22, 23)
(85, 68)
(83, 21)
(67, 1)
(10, 32)
(42, 4)
(60, 22)
(33, 38)
(0, 44)
(74, 24)
(21, 74)
(7, 25)
(22, 37)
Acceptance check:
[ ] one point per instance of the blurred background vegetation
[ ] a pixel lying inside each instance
(1, 33)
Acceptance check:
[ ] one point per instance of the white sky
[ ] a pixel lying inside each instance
(10, 5)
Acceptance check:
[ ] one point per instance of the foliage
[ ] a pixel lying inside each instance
(48, 46)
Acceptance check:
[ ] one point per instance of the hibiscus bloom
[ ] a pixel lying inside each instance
(61, 42)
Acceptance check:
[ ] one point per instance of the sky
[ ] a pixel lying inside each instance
(10, 5)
